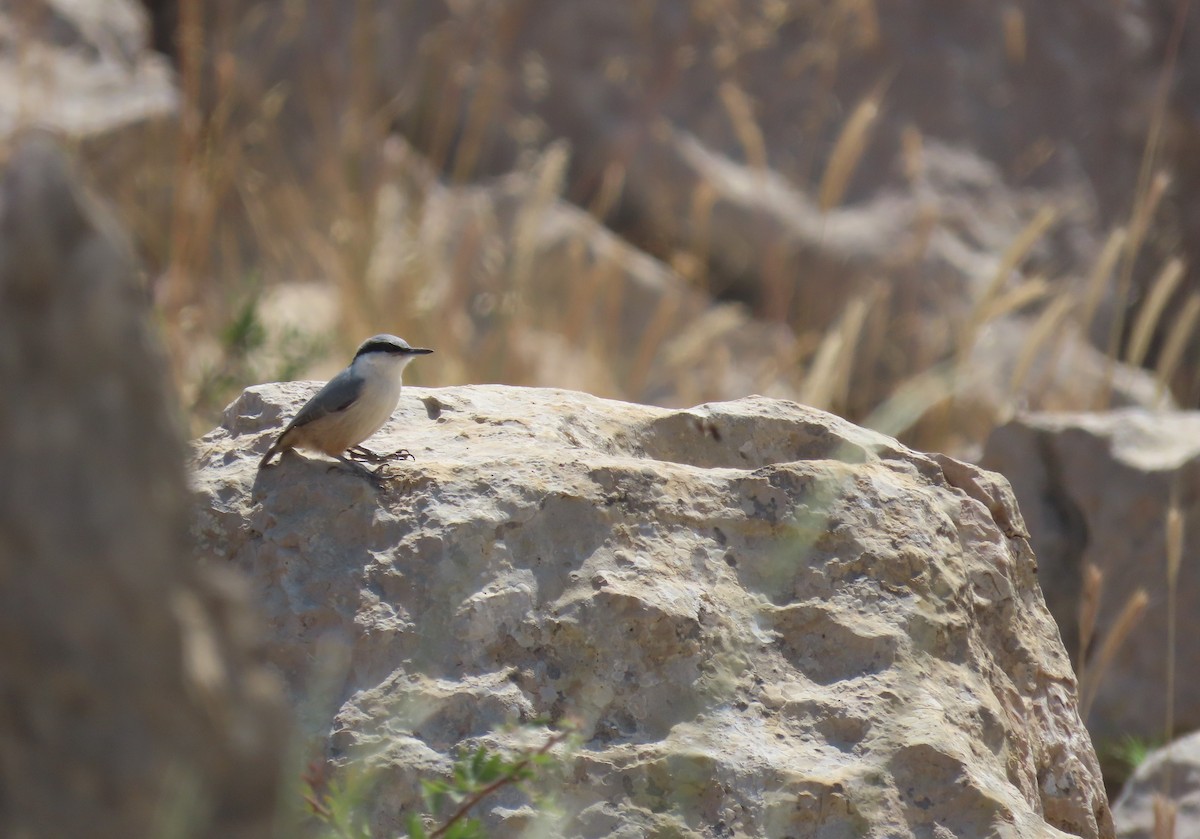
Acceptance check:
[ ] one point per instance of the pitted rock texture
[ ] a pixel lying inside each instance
(765, 620)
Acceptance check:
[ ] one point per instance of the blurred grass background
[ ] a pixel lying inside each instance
(672, 202)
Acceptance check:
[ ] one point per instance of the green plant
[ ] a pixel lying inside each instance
(340, 803)
(246, 351)
(1121, 757)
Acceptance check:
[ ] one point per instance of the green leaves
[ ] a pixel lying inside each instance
(341, 802)
(476, 774)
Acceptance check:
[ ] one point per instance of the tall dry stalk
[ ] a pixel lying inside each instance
(188, 192)
(848, 149)
(1015, 39)
(1101, 273)
(865, 18)
(1026, 293)
(1151, 311)
(1166, 814)
(1089, 610)
(1127, 620)
(703, 203)
(654, 334)
(740, 110)
(1181, 333)
(1174, 543)
(829, 376)
(1151, 187)
(1015, 254)
(612, 184)
(1048, 324)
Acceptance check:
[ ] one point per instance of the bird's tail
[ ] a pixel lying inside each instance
(275, 447)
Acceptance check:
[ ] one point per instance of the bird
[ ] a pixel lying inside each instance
(351, 407)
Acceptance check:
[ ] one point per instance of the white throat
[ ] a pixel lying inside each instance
(379, 365)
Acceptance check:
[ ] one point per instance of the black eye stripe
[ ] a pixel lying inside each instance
(391, 345)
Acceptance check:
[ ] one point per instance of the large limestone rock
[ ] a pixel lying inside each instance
(767, 621)
(130, 701)
(1095, 488)
(1172, 772)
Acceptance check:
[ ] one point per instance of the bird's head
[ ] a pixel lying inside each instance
(387, 350)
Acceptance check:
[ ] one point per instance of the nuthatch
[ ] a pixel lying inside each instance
(352, 406)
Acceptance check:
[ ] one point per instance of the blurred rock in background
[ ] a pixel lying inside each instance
(884, 189)
(132, 702)
(85, 71)
(1170, 774)
(1096, 489)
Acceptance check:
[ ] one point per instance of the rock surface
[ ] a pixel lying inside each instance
(1095, 488)
(765, 620)
(130, 700)
(1172, 770)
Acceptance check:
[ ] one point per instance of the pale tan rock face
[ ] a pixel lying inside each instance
(767, 621)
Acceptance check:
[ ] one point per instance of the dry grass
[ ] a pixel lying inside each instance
(1146, 323)
(1101, 276)
(741, 113)
(848, 149)
(986, 307)
(328, 224)
(1174, 544)
(1182, 332)
(1015, 36)
(1045, 329)
(1166, 813)
(829, 377)
(1152, 186)
(1126, 621)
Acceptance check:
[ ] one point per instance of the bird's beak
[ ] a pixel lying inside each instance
(419, 351)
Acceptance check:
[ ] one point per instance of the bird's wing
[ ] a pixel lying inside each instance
(339, 393)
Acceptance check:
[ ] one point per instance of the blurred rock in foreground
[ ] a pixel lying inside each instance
(768, 621)
(1095, 488)
(1173, 771)
(129, 702)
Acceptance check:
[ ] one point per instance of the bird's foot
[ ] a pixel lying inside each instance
(365, 455)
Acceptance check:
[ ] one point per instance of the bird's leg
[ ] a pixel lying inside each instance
(365, 455)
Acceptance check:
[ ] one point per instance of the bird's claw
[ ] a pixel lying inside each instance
(364, 455)
(358, 453)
